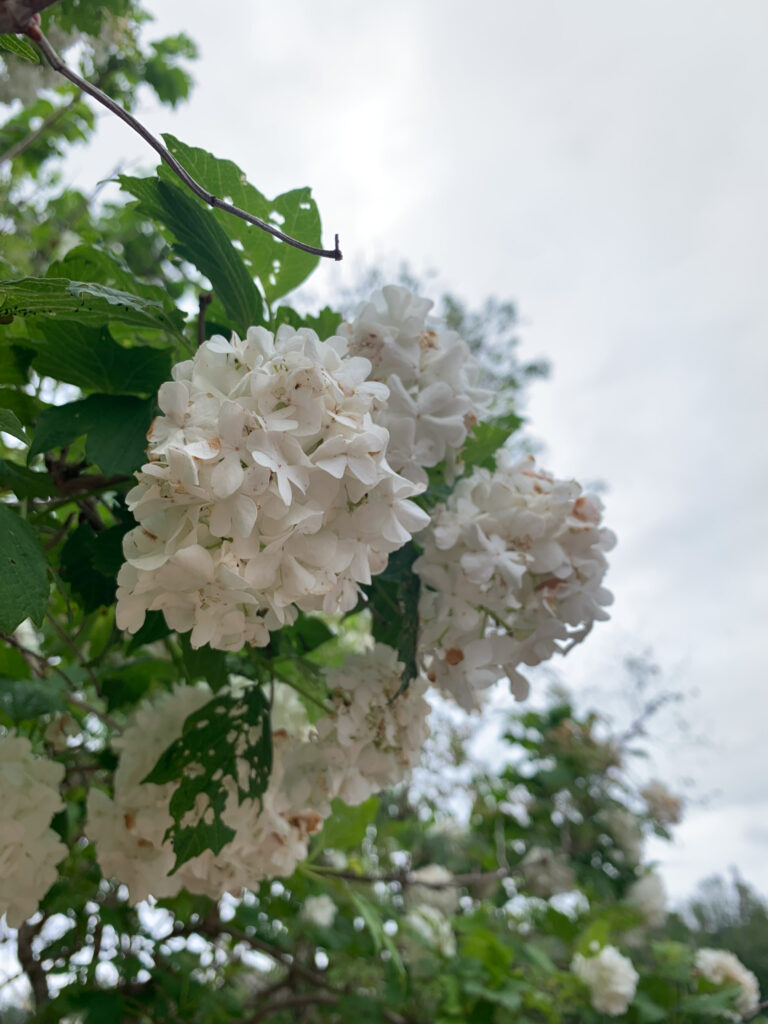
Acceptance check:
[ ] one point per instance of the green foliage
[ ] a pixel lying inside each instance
(393, 599)
(23, 572)
(18, 47)
(227, 730)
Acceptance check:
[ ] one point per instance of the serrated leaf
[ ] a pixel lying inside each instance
(24, 482)
(93, 264)
(25, 699)
(18, 47)
(486, 439)
(393, 598)
(202, 241)
(9, 423)
(279, 267)
(85, 303)
(92, 360)
(116, 428)
(228, 733)
(23, 572)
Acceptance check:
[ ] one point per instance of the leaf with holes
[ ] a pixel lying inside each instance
(227, 734)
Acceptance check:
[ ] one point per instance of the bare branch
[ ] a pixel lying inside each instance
(31, 965)
(34, 32)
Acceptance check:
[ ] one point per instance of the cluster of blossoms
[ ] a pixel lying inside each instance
(722, 968)
(512, 571)
(383, 741)
(434, 397)
(664, 807)
(29, 848)
(611, 979)
(650, 897)
(267, 489)
(546, 872)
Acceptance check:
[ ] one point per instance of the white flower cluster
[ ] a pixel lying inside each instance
(649, 896)
(363, 746)
(626, 832)
(423, 888)
(434, 398)
(663, 806)
(267, 490)
(722, 967)
(29, 848)
(433, 929)
(513, 566)
(546, 872)
(319, 911)
(611, 978)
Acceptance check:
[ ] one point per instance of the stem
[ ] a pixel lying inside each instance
(35, 33)
(203, 302)
(29, 140)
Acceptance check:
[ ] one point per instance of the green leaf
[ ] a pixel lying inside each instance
(154, 628)
(208, 744)
(25, 699)
(84, 302)
(372, 918)
(9, 422)
(24, 482)
(202, 241)
(116, 429)
(506, 997)
(94, 264)
(90, 562)
(23, 572)
(393, 598)
(279, 267)
(22, 49)
(129, 683)
(204, 663)
(325, 324)
(14, 362)
(346, 827)
(486, 439)
(89, 358)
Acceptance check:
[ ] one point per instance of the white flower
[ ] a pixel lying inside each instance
(649, 896)
(611, 979)
(663, 806)
(373, 739)
(29, 848)
(546, 872)
(512, 572)
(626, 832)
(267, 489)
(434, 399)
(422, 891)
(319, 910)
(433, 928)
(722, 967)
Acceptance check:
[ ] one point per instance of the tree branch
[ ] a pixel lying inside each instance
(31, 965)
(17, 15)
(35, 33)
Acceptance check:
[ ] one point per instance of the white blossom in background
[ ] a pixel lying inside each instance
(371, 741)
(319, 910)
(722, 967)
(512, 572)
(434, 398)
(611, 979)
(663, 806)
(267, 489)
(421, 891)
(650, 897)
(625, 829)
(433, 928)
(29, 848)
(546, 872)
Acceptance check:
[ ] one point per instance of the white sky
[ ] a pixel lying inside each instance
(604, 165)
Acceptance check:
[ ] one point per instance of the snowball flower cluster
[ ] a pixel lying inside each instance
(434, 398)
(663, 806)
(722, 967)
(546, 872)
(423, 891)
(512, 571)
(611, 978)
(649, 896)
(625, 829)
(29, 848)
(433, 928)
(267, 489)
(319, 910)
(362, 746)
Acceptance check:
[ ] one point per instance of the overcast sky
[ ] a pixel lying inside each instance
(604, 165)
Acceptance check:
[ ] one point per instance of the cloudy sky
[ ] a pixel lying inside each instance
(605, 166)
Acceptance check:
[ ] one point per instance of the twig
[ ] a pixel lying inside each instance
(29, 140)
(292, 1003)
(31, 965)
(204, 300)
(35, 33)
(469, 878)
(76, 651)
